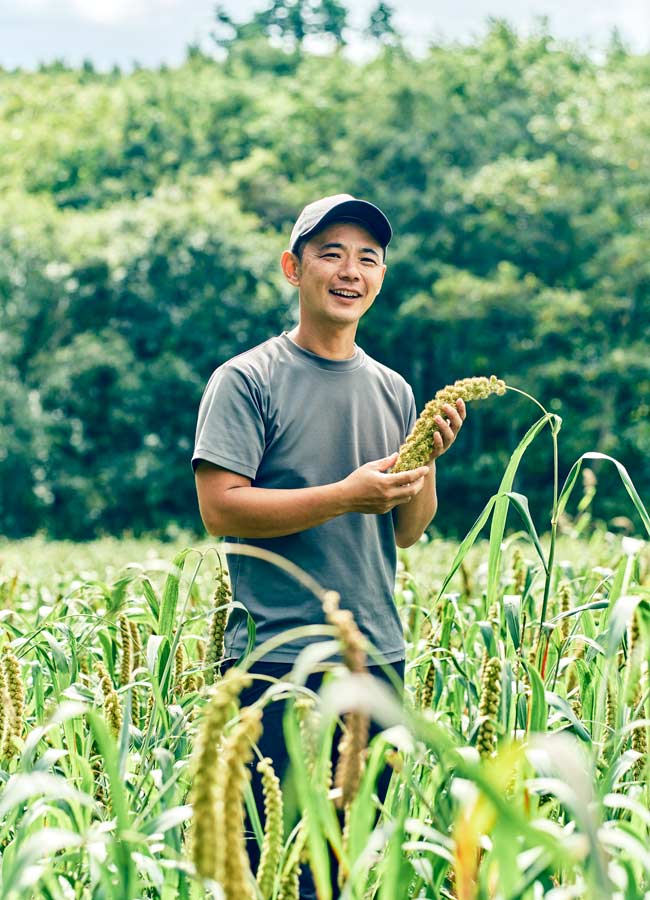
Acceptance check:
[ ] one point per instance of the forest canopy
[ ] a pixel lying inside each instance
(142, 216)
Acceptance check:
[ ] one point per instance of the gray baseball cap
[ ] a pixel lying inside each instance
(341, 207)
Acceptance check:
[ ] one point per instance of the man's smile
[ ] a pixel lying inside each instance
(347, 295)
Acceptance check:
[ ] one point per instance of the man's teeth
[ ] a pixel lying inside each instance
(346, 293)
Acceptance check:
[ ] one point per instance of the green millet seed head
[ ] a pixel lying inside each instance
(199, 680)
(572, 678)
(136, 644)
(16, 690)
(307, 723)
(565, 606)
(233, 871)
(217, 628)
(418, 447)
(6, 714)
(179, 664)
(640, 744)
(290, 884)
(273, 828)
(640, 733)
(104, 678)
(112, 709)
(489, 707)
(113, 713)
(206, 772)
(126, 666)
(635, 652)
(426, 697)
(519, 572)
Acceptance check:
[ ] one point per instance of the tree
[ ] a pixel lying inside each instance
(331, 17)
(380, 25)
(139, 249)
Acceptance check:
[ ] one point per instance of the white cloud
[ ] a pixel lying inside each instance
(102, 12)
(156, 31)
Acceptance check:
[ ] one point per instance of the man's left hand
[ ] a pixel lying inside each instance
(448, 428)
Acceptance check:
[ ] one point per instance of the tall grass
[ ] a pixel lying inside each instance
(531, 647)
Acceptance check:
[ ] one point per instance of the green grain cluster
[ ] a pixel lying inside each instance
(126, 666)
(273, 828)
(111, 700)
(489, 707)
(217, 629)
(219, 775)
(419, 445)
(233, 870)
(13, 695)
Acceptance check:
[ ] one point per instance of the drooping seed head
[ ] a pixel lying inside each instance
(419, 445)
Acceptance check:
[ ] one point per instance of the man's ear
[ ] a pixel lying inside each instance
(291, 267)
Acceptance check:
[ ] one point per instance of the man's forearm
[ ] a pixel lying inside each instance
(250, 512)
(231, 506)
(413, 517)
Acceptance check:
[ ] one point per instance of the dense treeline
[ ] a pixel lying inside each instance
(142, 216)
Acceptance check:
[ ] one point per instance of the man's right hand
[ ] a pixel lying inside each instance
(372, 489)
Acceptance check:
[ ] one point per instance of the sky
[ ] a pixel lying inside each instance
(152, 32)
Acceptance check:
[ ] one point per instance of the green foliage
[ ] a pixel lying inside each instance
(142, 216)
(557, 799)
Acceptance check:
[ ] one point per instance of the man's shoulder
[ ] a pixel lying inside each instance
(386, 374)
(266, 351)
(256, 365)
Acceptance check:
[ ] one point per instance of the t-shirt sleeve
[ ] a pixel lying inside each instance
(412, 414)
(230, 428)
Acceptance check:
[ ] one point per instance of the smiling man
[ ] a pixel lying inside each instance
(294, 444)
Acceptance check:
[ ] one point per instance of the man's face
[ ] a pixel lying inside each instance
(340, 274)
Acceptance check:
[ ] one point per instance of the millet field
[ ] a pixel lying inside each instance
(518, 761)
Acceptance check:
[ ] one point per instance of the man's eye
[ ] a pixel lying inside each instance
(333, 255)
(368, 259)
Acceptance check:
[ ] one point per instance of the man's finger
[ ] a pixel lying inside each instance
(453, 415)
(402, 478)
(382, 464)
(445, 428)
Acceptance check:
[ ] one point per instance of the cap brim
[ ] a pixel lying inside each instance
(367, 214)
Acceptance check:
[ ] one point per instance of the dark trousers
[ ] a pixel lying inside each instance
(272, 744)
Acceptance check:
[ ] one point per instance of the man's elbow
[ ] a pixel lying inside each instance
(214, 521)
(216, 492)
(406, 541)
(213, 525)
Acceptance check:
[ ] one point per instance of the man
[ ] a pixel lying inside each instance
(294, 444)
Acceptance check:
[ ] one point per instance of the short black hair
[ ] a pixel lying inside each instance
(300, 244)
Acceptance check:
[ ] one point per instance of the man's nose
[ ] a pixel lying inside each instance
(349, 268)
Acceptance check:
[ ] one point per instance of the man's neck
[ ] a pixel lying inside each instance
(333, 345)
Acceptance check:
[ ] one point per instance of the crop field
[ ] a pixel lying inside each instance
(518, 761)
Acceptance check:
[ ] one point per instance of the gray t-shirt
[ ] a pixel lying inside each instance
(286, 418)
